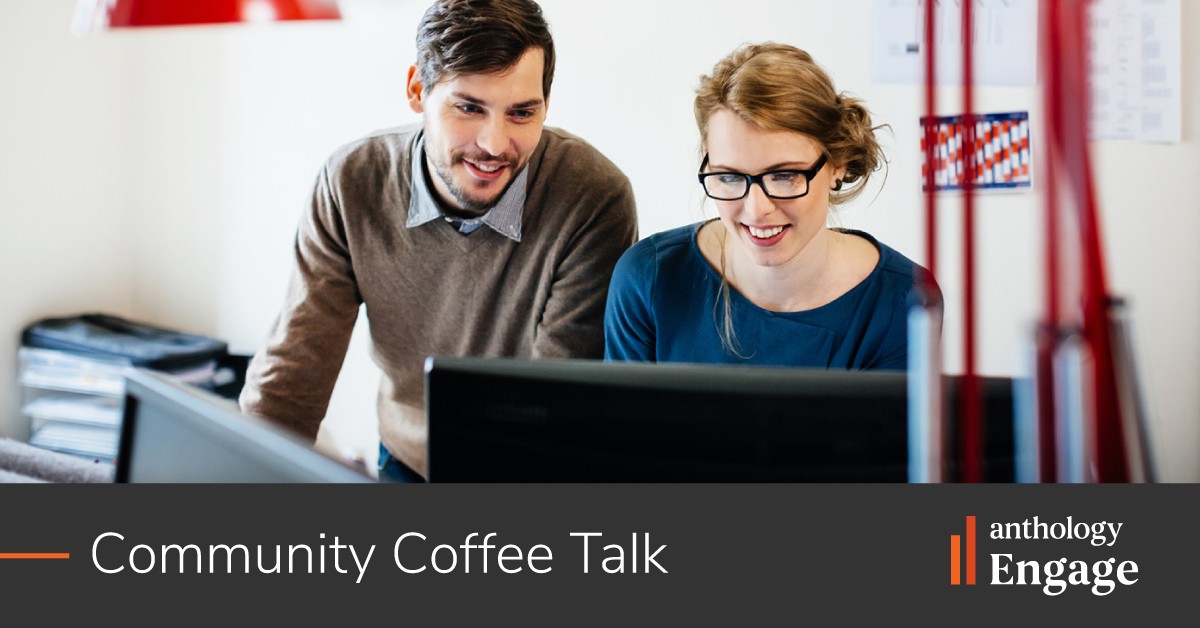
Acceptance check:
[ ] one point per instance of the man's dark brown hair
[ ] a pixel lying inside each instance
(481, 37)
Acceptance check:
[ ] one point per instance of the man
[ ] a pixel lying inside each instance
(477, 232)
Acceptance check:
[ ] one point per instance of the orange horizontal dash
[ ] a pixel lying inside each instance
(62, 556)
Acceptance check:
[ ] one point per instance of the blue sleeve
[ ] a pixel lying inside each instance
(629, 330)
(894, 352)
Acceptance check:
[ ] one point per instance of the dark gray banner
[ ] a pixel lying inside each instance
(592, 555)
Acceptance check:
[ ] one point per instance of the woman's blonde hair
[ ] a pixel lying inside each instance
(778, 87)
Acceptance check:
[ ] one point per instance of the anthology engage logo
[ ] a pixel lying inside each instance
(1054, 576)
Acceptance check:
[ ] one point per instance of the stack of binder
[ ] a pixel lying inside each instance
(72, 380)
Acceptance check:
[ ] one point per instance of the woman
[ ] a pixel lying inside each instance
(768, 283)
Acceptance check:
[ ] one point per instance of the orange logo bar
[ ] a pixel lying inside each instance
(36, 556)
(956, 551)
(971, 550)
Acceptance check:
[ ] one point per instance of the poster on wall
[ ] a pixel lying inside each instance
(1002, 153)
(1136, 70)
(1005, 38)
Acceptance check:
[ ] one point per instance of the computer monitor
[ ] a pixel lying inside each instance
(510, 420)
(175, 433)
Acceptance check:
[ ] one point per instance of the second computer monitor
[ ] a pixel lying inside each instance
(507, 420)
(175, 433)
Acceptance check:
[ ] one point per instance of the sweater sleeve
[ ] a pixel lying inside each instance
(291, 378)
(571, 324)
(629, 330)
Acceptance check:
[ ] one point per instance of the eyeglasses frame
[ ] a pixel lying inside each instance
(809, 175)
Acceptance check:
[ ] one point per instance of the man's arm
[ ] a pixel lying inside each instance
(572, 322)
(291, 379)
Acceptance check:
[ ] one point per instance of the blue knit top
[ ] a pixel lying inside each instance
(664, 305)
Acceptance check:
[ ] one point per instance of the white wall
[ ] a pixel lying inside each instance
(64, 179)
(221, 132)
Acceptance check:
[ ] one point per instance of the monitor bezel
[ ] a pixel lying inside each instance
(997, 392)
(281, 456)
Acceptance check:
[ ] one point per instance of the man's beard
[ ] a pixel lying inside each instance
(471, 207)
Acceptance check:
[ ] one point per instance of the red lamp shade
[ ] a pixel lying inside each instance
(97, 15)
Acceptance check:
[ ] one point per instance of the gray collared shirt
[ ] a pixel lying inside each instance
(504, 217)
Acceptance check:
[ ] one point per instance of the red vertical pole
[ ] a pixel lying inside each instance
(972, 439)
(1069, 164)
(925, 368)
(930, 141)
(1111, 460)
(1047, 338)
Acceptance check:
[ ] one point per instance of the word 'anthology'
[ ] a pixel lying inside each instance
(412, 553)
(1057, 575)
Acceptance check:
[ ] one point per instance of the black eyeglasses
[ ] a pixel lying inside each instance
(778, 184)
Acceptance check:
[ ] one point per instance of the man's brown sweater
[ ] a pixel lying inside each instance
(432, 290)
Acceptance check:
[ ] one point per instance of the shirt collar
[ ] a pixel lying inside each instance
(504, 218)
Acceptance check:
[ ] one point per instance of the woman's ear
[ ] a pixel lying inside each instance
(839, 173)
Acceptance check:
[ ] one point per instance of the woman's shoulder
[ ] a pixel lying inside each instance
(897, 271)
(671, 244)
(891, 261)
(677, 238)
(669, 251)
